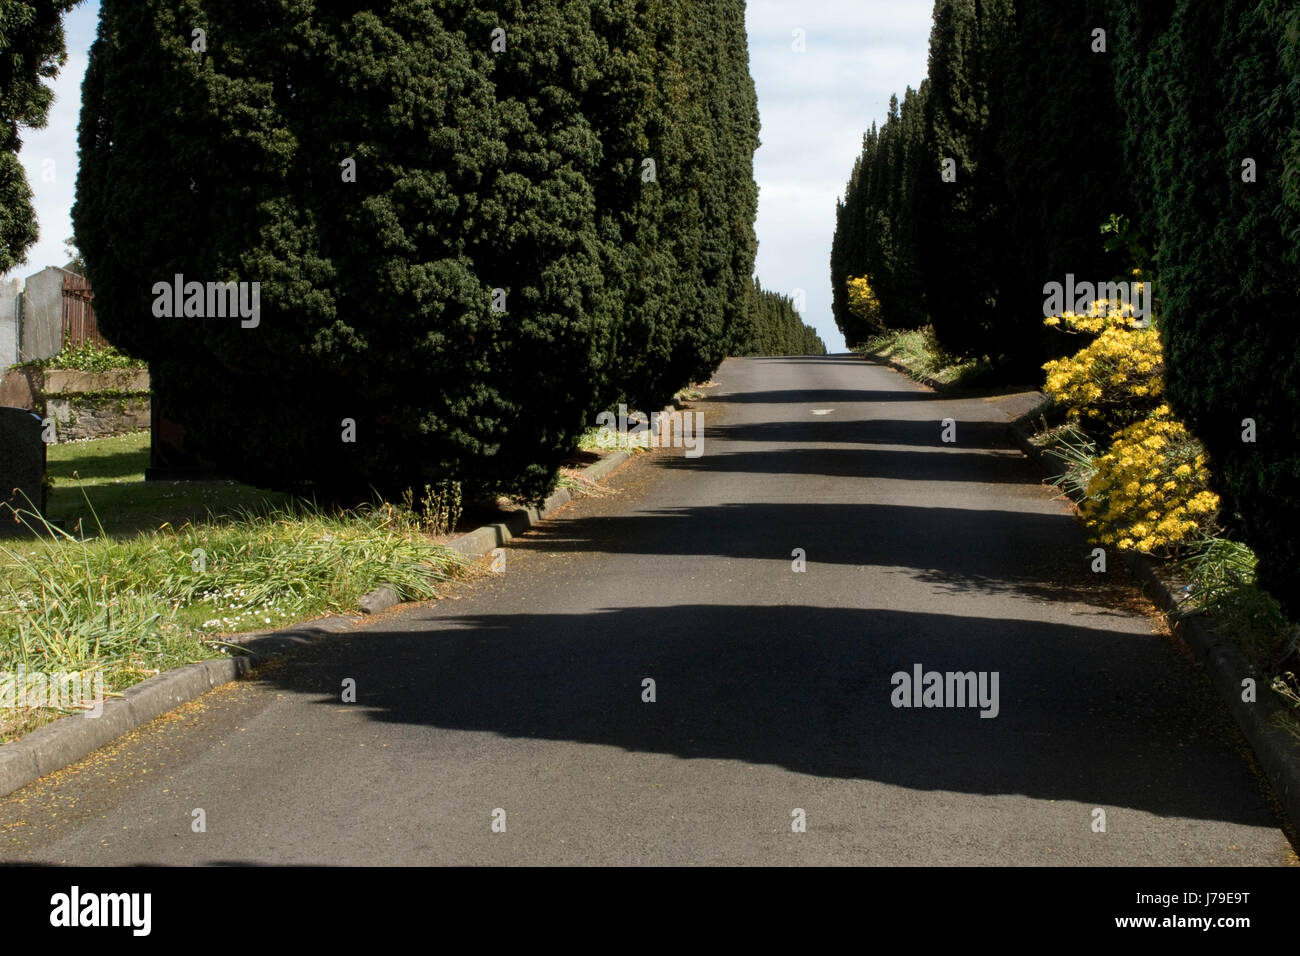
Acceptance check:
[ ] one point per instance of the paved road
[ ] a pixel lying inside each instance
(773, 688)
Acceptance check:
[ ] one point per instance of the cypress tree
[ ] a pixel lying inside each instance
(472, 173)
(1227, 249)
(690, 313)
(742, 191)
(779, 329)
(462, 252)
(848, 246)
(905, 306)
(957, 220)
(32, 51)
(708, 194)
(889, 250)
(880, 227)
(1053, 92)
(632, 125)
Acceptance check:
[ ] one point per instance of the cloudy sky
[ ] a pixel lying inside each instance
(814, 107)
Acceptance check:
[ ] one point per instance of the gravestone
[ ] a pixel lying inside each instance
(22, 467)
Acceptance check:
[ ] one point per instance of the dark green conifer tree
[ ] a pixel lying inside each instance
(31, 52)
(229, 157)
(1209, 135)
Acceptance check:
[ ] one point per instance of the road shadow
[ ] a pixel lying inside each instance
(955, 542)
(826, 396)
(1100, 717)
(928, 433)
(939, 465)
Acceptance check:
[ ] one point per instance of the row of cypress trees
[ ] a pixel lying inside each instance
(1210, 100)
(991, 179)
(777, 327)
(474, 224)
(876, 222)
(1172, 124)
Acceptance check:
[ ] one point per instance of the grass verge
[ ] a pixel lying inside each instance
(127, 609)
(126, 578)
(921, 355)
(601, 439)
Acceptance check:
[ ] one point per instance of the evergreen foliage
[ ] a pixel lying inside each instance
(1175, 131)
(778, 327)
(502, 157)
(31, 51)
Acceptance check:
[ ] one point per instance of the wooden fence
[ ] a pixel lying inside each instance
(79, 325)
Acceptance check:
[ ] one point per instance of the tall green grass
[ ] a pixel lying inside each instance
(1221, 576)
(130, 608)
(920, 353)
(1077, 452)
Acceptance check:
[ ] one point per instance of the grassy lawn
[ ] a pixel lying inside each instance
(110, 473)
(179, 567)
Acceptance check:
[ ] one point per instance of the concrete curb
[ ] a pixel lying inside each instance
(63, 742)
(483, 541)
(1277, 751)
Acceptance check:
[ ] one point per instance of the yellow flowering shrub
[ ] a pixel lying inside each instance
(863, 301)
(1102, 314)
(1113, 381)
(1150, 490)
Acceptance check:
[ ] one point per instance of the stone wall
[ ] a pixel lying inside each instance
(82, 404)
(79, 418)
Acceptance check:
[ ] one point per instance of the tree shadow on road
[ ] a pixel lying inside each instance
(827, 396)
(971, 436)
(1101, 717)
(1039, 554)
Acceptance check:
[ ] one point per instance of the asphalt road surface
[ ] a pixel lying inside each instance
(520, 698)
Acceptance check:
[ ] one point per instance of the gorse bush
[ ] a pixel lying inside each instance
(1150, 490)
(864, 303)
(1112, 382)
(1101, 314)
